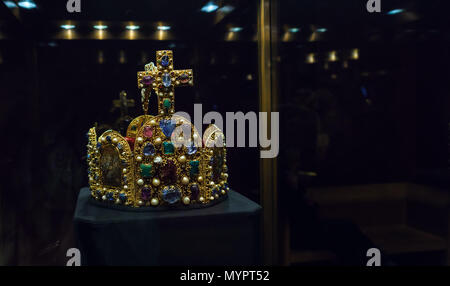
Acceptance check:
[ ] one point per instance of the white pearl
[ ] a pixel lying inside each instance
(158, 141)
(200, 178)
(140, 140)
(211, 198)
(140, 182)
(157, 160)
(117, 201)
(186, 200)
(103, 139)
(125, 187)
(140, 203)
(139, 158)
(212, 183)
(156, 182)
(182, 159)
(104, 198)
(115, 140)
(153, 122)
(217, 196)
(223, 192)
(185, 180)
(202, 199)
(154, 202)
(124, 170)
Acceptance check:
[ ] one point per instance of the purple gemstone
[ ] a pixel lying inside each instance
(169, 172)
(195, 192)
(146, 194)
(147, 80)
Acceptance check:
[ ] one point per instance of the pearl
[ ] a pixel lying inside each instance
(211, 198)
(140, 182)
(115, 140)
(185, 180)
(217, 196)
(104, 198)
(140, 140)
(91, 179)
(223, 192)
(124, 170)
(156, 182)
(157, 160)
(200, 178)
(154, 202)
(182, 159)
(153, 122)
(201, 199)
(158, 141)
(225, 175)
(212, 183)
(117, 201)
(139, 158)
(125, 187)
(228, 188)
(186, 200)
(140, 203)
(103, 139)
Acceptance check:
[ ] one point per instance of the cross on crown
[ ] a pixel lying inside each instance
(163, 79)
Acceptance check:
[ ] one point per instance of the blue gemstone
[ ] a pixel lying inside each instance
(123, 197)
(99, 145)
(108, 138)
(119, 146)
(191, 148)
(171, 195)
(167, 126)
(88, 156)
(99, 193)
(149, 149)
(165, 61)
(166, 80)
(110, 196)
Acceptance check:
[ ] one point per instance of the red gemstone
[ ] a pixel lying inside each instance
(130, 142)
(148, 131)
(169, 172)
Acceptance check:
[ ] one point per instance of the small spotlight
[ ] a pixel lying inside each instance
(395, 11)
(294, 30)
(321, 30)
(132, 27)
(10, 4)
(67, 27)
(100, 27)
(27, 4)
(236, 29)
(209, 7)
(164, 28)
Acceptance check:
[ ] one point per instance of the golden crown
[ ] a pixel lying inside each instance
(162, 161)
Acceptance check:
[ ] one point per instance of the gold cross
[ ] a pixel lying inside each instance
(163, 79)
(123, 103)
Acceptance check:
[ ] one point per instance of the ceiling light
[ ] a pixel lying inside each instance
(163, 28)
(10, 4)
(236, 29)
(132, 27)
(27, 4)
(321, 30)
(68, 27)
(100, 27)
(395, 11)
(294, 30)
(226, 9)
(209, 7)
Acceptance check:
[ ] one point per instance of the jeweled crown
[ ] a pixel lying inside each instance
(162, 160)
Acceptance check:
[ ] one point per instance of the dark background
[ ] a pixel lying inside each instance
(363, 141)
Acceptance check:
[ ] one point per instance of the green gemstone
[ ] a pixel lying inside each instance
(194, 167)
(167, 104)
(146, 170)
(168, 148)
(133, 128)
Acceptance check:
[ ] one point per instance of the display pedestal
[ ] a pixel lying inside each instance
(224, 234)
